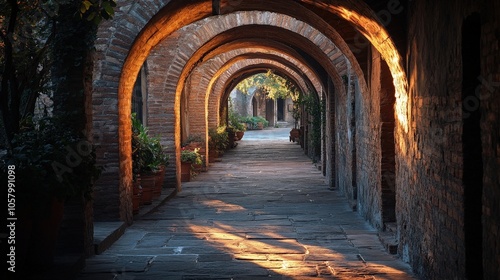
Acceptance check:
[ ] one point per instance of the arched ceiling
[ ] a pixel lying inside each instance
(357, 13)
(303, 75)
(302, 42)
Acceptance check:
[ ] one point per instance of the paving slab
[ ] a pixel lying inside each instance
(262, 211)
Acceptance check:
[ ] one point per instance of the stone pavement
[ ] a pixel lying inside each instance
(262, 212)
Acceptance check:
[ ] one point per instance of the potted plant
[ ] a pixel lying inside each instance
(136, 193)
(196, 142)
(218, 141)
(51, 163)
(236, 122)
(258, 122)
(296, 113)
(188, 158)
(240, 130)
(151, 160)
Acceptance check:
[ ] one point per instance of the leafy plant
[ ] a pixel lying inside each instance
(219, 138)
(192, 156)
(316, 110)
(96, 11)
(39, 40)
(274, 86)
(50, 160)
(192, 139)
(255, 120)
(236, 121)
(147, 151)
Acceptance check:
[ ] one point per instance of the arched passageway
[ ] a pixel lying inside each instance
(377, 134)
(237, 220)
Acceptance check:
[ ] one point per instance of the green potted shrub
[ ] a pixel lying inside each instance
(218, 141)
(196, 142)
(237, 124)
(259, 122)
(51, 163)
(151, 160)
(188, 158)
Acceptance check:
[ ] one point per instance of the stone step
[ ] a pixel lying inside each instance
(389, 242)
(388, 238)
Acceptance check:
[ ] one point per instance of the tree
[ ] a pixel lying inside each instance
(274, 86)
(32, 35)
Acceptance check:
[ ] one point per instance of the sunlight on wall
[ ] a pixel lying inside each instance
(381, 40)
(378, 36)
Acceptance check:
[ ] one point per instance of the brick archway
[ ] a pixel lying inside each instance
(149, 23)
(216, 89)
(209, 80)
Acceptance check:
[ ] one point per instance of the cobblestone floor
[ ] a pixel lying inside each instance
(262, 212)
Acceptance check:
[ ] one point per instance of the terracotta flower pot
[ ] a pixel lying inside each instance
(185, 171)
(160, 177)
(148, 184)
(294, 134)
(212, 155)
(136, 196)
(197, 168)
(240, 134)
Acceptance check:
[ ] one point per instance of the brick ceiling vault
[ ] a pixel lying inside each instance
(212, 78)
(286, 16)
(239, 69)
(308, 40)
(267, 46)
(299, 73)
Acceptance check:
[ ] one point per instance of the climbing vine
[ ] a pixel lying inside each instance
(316, 111)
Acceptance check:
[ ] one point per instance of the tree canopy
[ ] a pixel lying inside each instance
(273, 85)
(31, 33)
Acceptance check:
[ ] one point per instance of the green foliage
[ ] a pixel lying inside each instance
(219, 138)
(316, 111)
(51, 160)
(236, 121)
(252, 122)
(274, 86)
(97, 10)
(147, 152)
(192, 156)
(34, 38)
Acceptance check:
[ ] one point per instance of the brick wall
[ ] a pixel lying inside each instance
(430, 209)
(368, 145)
(344, 139)
(430, 206)
(114, 39)
(490, 126)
